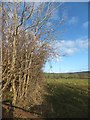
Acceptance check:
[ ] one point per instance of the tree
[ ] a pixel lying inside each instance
(26, 46)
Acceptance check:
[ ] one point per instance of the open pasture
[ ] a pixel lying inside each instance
(69, 97)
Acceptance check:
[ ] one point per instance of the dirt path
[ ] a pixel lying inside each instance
(7, 112)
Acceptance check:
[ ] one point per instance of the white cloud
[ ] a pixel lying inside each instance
(82, 43)
(70, 47)
(73, 20)
(85, 24)
(69, 51)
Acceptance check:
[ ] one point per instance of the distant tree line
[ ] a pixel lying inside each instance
(67, 75)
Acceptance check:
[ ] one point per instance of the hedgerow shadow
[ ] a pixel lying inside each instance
(65, 102)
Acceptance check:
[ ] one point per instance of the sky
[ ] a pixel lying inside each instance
(71, 38)
(73, 42)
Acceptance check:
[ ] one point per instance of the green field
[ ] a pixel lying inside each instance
(68, 97)
(64, 96)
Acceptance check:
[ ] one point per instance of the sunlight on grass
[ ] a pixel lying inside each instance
(69, 97)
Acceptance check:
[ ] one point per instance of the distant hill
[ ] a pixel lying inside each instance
(81, 75)
(81, 72)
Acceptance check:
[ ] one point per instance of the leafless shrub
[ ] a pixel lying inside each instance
(25, 47)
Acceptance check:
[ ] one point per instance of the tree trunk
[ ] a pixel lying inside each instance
(14, 57)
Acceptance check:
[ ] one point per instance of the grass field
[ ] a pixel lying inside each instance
(69, 97)
(64, 97)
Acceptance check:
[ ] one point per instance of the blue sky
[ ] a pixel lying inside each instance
(74, 40)
(71, 37)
